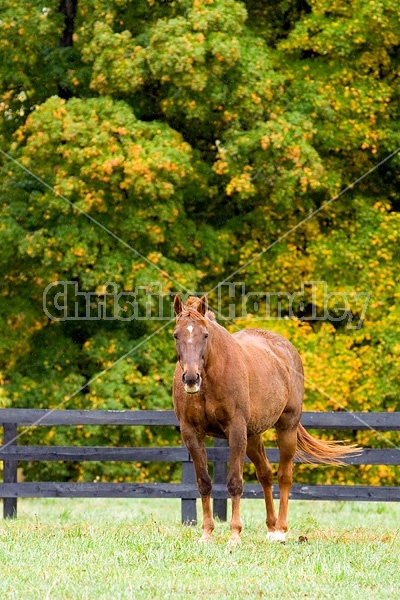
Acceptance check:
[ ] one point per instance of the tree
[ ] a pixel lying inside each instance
(172, 143)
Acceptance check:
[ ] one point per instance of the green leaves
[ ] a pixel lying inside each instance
(173, 143)
(99, 158)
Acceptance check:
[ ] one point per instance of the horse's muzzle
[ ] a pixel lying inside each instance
(191, 384)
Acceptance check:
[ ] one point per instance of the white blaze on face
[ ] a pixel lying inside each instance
(190, 330)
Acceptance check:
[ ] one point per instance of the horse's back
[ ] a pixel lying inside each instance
(280, 361)
(271, 342)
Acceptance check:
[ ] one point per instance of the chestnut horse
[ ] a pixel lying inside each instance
(236, 387)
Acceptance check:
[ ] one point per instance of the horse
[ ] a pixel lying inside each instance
(236, 386)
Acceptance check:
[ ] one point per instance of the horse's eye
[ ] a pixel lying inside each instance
(206, 335)
(176, 336)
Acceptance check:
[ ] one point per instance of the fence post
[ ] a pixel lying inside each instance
(10, 469)
(220, 474)
(188, 505)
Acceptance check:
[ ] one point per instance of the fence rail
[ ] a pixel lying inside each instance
(11, 453)
(381, 421)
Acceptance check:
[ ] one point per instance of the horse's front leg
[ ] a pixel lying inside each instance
(237, 436)
(196, 447)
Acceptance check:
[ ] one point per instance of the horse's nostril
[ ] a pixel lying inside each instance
(191, 379)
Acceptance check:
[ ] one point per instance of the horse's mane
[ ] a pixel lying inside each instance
(191, 310)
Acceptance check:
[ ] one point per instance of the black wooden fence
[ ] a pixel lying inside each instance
(11, 452)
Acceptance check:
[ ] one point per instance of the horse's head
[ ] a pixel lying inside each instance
(191, 340)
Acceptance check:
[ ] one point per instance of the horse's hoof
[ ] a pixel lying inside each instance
(276, 536)
(205, 539)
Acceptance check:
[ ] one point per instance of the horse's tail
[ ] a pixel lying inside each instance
(328, 452)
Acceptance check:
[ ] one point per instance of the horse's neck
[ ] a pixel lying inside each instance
(222, 348)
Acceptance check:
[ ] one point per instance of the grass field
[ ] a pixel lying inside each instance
(112, 549)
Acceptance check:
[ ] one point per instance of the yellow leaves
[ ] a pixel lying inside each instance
(265, 142)
(59, 113)
(303, 183)
(109, 166)
(133, 378)
(241, 184)
(382, 207)
(155, 257)
(138, 266)
(229, 116)
(170, 166)
(221, 167)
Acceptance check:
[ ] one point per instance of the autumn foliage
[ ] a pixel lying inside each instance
(198, 132)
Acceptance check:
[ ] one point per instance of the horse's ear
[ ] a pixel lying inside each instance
(203, 307)
(178, 304)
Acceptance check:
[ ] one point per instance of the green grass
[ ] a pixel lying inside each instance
(112, 549)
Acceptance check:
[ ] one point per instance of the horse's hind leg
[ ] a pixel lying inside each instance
(256, 452)
(287, 442)
(197, 450)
